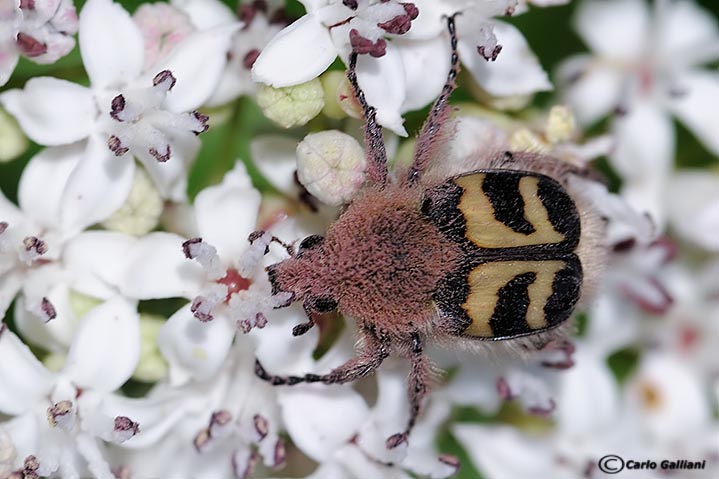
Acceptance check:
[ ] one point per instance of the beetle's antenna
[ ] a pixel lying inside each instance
(435, 125)
(376, 154)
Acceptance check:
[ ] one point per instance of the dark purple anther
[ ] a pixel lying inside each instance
(162, 77)
(29, 46)
(116, 107)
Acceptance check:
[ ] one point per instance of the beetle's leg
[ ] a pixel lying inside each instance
(434, 127)
(416, 389)
(376, 154)
(373, 352)
(312, 315)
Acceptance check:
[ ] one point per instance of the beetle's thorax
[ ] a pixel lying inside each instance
(381, 261)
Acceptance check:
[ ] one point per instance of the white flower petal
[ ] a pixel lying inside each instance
(516, 71)
(279, 351)
(275, 157)
(689, 34)
(106, 347)
(383, 82)
(8, 60)
(614, 28)
(317, 419)
(698, 107)
(10, 284)
(643, 156)
(97, 260)
(111, 44)
(197, 64)
(23, 379)
(43, 181)
(170, 177)
(297, 54)
(195, 349)
(236, 199)
(54, 335)
(589, 381)
(592, 88)
(426, 64)
(9, 213)
(97, 187)
(475, 386)
(156, 267)
(694, 211)
(52, 111)
(206, 14)
(495, 449)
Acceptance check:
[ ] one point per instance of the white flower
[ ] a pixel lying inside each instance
(36, 258)
(218, 271)
(646, 66)
(57, 417)
(41, 30)
(125, 111)
(219, 428)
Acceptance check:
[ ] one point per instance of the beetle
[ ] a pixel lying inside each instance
(500, 251)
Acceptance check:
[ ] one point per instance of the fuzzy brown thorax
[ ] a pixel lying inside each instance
(380, 261)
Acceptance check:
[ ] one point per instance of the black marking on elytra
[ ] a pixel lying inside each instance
(561, 210)
(566, 289)
(451, 293)
(509, 318)
(502, 191)
(441, 206)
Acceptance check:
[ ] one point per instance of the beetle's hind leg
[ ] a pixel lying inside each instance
(416, 389)
(435, 128)
(374, 350)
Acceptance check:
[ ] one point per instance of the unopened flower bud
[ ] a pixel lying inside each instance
(347, 99)
(560, 124)
(293, 105)
(152, 366)
(524, 140)
(81, 304)
(13, 141)
(331, 165)
(141, 212)
(331, 82)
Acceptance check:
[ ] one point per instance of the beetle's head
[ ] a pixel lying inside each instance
(303, 275)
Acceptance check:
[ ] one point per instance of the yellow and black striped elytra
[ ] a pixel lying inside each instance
(518, 232)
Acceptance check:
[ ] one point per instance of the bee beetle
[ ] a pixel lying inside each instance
(502, 250)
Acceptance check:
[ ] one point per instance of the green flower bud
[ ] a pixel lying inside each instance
(141, 212)
(293, 105)
(13, 141)
(152, 366)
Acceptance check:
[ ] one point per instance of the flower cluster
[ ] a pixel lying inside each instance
(153, 163)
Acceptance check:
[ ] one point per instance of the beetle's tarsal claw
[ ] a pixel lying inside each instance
(396, 439)
(301, 329)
